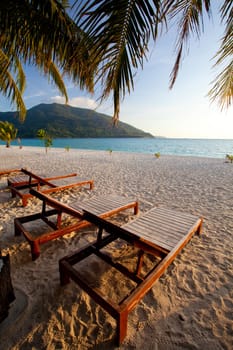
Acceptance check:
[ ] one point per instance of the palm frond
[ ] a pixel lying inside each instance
(188, 15)
(57, 78)
(38, 32)
(20, 75)
(222, 89)
(9, 87)
(119, 32)
(4, 64)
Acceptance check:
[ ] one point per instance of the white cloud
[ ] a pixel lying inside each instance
(82, 102)
(36, 94)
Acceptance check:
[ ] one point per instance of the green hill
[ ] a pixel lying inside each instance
(66, 122)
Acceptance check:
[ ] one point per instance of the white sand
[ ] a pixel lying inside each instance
(189, 307)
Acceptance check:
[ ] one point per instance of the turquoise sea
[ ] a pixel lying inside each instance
(184, 147)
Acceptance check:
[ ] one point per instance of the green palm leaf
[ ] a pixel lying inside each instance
(188, 15)
(10, 87)
(39, 33)
(57, 78)
(106, 46)
(118, 32)
(222, 89)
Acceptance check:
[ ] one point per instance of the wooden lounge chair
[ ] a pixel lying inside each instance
(101, 206)
(44, 185)
(8, 171)
(161, 233)
(25, 179)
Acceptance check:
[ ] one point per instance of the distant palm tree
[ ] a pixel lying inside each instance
(230, 157)
(45, 137)
(8, 132)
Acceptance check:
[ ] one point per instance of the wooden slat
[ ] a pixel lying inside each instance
(18, 178)
(103, 204)
(179, 214)
(153, 236)
(161, 215)
(157, 228)
(156, 236)
(147, 227)
(166, 224)
(158, 239)
(62, 181)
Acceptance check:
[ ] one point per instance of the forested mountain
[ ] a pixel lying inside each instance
(66, 121)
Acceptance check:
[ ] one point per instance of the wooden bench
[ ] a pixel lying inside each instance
(160, 232)
(27, 179)
(102, 206)
(44, 185)
(4, 172)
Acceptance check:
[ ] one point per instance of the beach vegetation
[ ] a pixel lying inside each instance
(8, 132)
(102, 41)
(19, 142)
(109, 150)
(46, 138)
(229, 157)
(157, 155)
(67, 148)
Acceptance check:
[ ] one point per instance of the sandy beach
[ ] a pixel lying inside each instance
(189, 307)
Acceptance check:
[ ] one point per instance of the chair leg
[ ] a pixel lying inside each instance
(17, 230)
(13, 194)
(24, 202)
(122, 326)
(136, 209)
(199, 230)
(140, 262)
(59, 221)
(35, 249)
(64, 276)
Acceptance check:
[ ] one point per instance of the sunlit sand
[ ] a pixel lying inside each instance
(189, 307)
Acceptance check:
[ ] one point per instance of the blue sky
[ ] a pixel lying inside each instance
(183, 112)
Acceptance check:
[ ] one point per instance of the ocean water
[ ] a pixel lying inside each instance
(184, 147)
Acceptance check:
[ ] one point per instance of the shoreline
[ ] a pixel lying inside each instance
(62, 150)
(189, 307)
(210, 148)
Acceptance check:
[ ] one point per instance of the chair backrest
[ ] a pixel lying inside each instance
(61, 207)
(40, 179)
